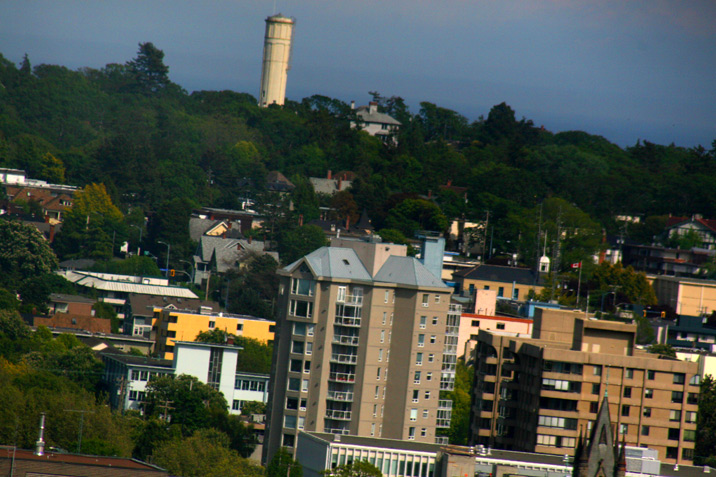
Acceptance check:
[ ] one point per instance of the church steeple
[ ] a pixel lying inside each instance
(601, 456)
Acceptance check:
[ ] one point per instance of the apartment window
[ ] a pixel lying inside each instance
(411, 433)
(501, 291)
(306, 366)
(597, 370)
(593, 407)
(423, 322)
(419, 359)
(435, 320)
(375, 410)
(387, 296)
(679, 378)
(135, 375)
(595, 388)
(648, 393)
(432, 339)
(289, 440)
(385, 316)
(629, 373)
(386, 374)
(500, 326)
(625, 410)
(690, 417)
(644, 430)
(677, 396)
(382, 336)
(692, 398)
(212, 325)
(651, 375)
(302, 406)
(476, 323)
(429, 376)
(387, 356)
(416, 377)
(423, 433)
(301, 286)
(431, 358)
(426, 413)
(413, 414)
(391, 318)
(377, 375)
(309, 347)
(380, 354)
(296, 365)
(689, 435)
(695, 381)
(426, 300)
(294, 384)
(675, 415)
(301, 422)
(292, 403)
(372, 427)
(623, 429)
(627, 392)
(298, 347)
(687, 454)
(216, 358)
(674, 434)
(132, 395)
(289, 422)
(236, 405)
(672, 452)
(647, 412)
(170, 333)
(416, 395)
(301, 308)
(421, 340)
(390, 335)
(427, 394)
(239, 327)
(341, 295)
(377, 392)
(299, 329)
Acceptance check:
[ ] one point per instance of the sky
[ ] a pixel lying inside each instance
(627, 70)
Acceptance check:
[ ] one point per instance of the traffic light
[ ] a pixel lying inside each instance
(172, 272)
(663, 314)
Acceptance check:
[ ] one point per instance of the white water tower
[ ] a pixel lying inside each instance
(277, 60)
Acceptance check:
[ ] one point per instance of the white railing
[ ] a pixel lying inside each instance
(345, 396)
(344, 358)
(345, 321)
(340, 415)
(342, 377)
(346, 340)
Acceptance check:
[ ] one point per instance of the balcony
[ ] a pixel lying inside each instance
(338, 415)
(347, 321)
(444, 413)
(342, 396)
(344, 358)
(342, 377)
(346, 340)
(336, 430)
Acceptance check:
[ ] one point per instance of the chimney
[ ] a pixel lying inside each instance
(40, 444)
(52, 233)
(353, 104)
(300, 220)
(340, 181)
(330, 174)
(372, 107)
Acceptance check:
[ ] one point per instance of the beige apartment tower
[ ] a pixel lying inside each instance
(540, 394)
(276, 60)
(366, 339)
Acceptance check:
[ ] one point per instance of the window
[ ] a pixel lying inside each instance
(476, 323)
(427, 394)
(416, 377)
(300, 308)
(674, 434)
(687, 454)
(212, 325)
(419, 359)
(297, 347)
(651, 374)
(597, 370)
(689, 435)
(289, 422)
(690, 417)
(302, 407)
(695, 381)
(429, 376)
(411, 433)
(627, 392)
(304, 385)
(306, 366)
(375, 410)
(500, 326)
(377, 392)
(302, 286)
(391, 318)
(692, 398)
(289, 440)
(380, 354)
(432, 339)
(435, 320)
(382, 336)
(372, 428)
(675, 415)
(644, 430)
(296, 365)
(426, 300)
(135, 375)
(648, 393)
(292, 403)
(413, 414)
(236, 405)
(421, 340)
(299, 329)
(623, 429)
(309, 347)
(294, 384)
(501, 291)
(301, 422)
(625, 410)
(377, 375)
(341, 296)
(385, 316)
(593, 407)
(679, 378)
(515, 293)
(431, 358)
(629, 373)
(647, 412)
(595, 389)
(423, 433)
(672, 452)
(416, 395)
(132, 395)
(426, 413)
(677, 396)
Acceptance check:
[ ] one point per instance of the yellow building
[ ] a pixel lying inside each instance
(184, 325)
(686, 296)
(509, 282)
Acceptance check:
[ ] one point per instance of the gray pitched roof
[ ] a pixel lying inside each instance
(334, 262)
(407, 271)
(364, 113)
(228, 250)
(328, 186)
(498, 273)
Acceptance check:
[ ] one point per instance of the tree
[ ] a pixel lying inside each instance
(106, 311)
(412, 215)
(255, 357)
(706, 424)
(662, 350)
(150, 73)
(24, 253)
(283, 465)
(294, 244)
(361, 468)
(217, 336)
(206, 453)
(629, 286)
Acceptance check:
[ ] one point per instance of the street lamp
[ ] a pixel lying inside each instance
(169, 248)
(191, 267)
(139, 245)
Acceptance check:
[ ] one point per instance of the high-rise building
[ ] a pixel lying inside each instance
(276, 59)
(365, 341)
(538, 394)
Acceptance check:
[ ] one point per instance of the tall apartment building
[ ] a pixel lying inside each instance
(538, 394)
(366, 339)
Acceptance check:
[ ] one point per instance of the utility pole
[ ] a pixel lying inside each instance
(82, 422)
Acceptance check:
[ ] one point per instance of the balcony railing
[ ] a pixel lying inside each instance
(346, 340)
(345, 321)
(336, 430)
(342, 377)
(343, 396)
(339, 415)
(344, 358)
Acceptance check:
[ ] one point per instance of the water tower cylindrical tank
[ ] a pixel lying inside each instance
(276, 60)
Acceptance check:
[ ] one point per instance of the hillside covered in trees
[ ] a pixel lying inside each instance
(160, 151)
